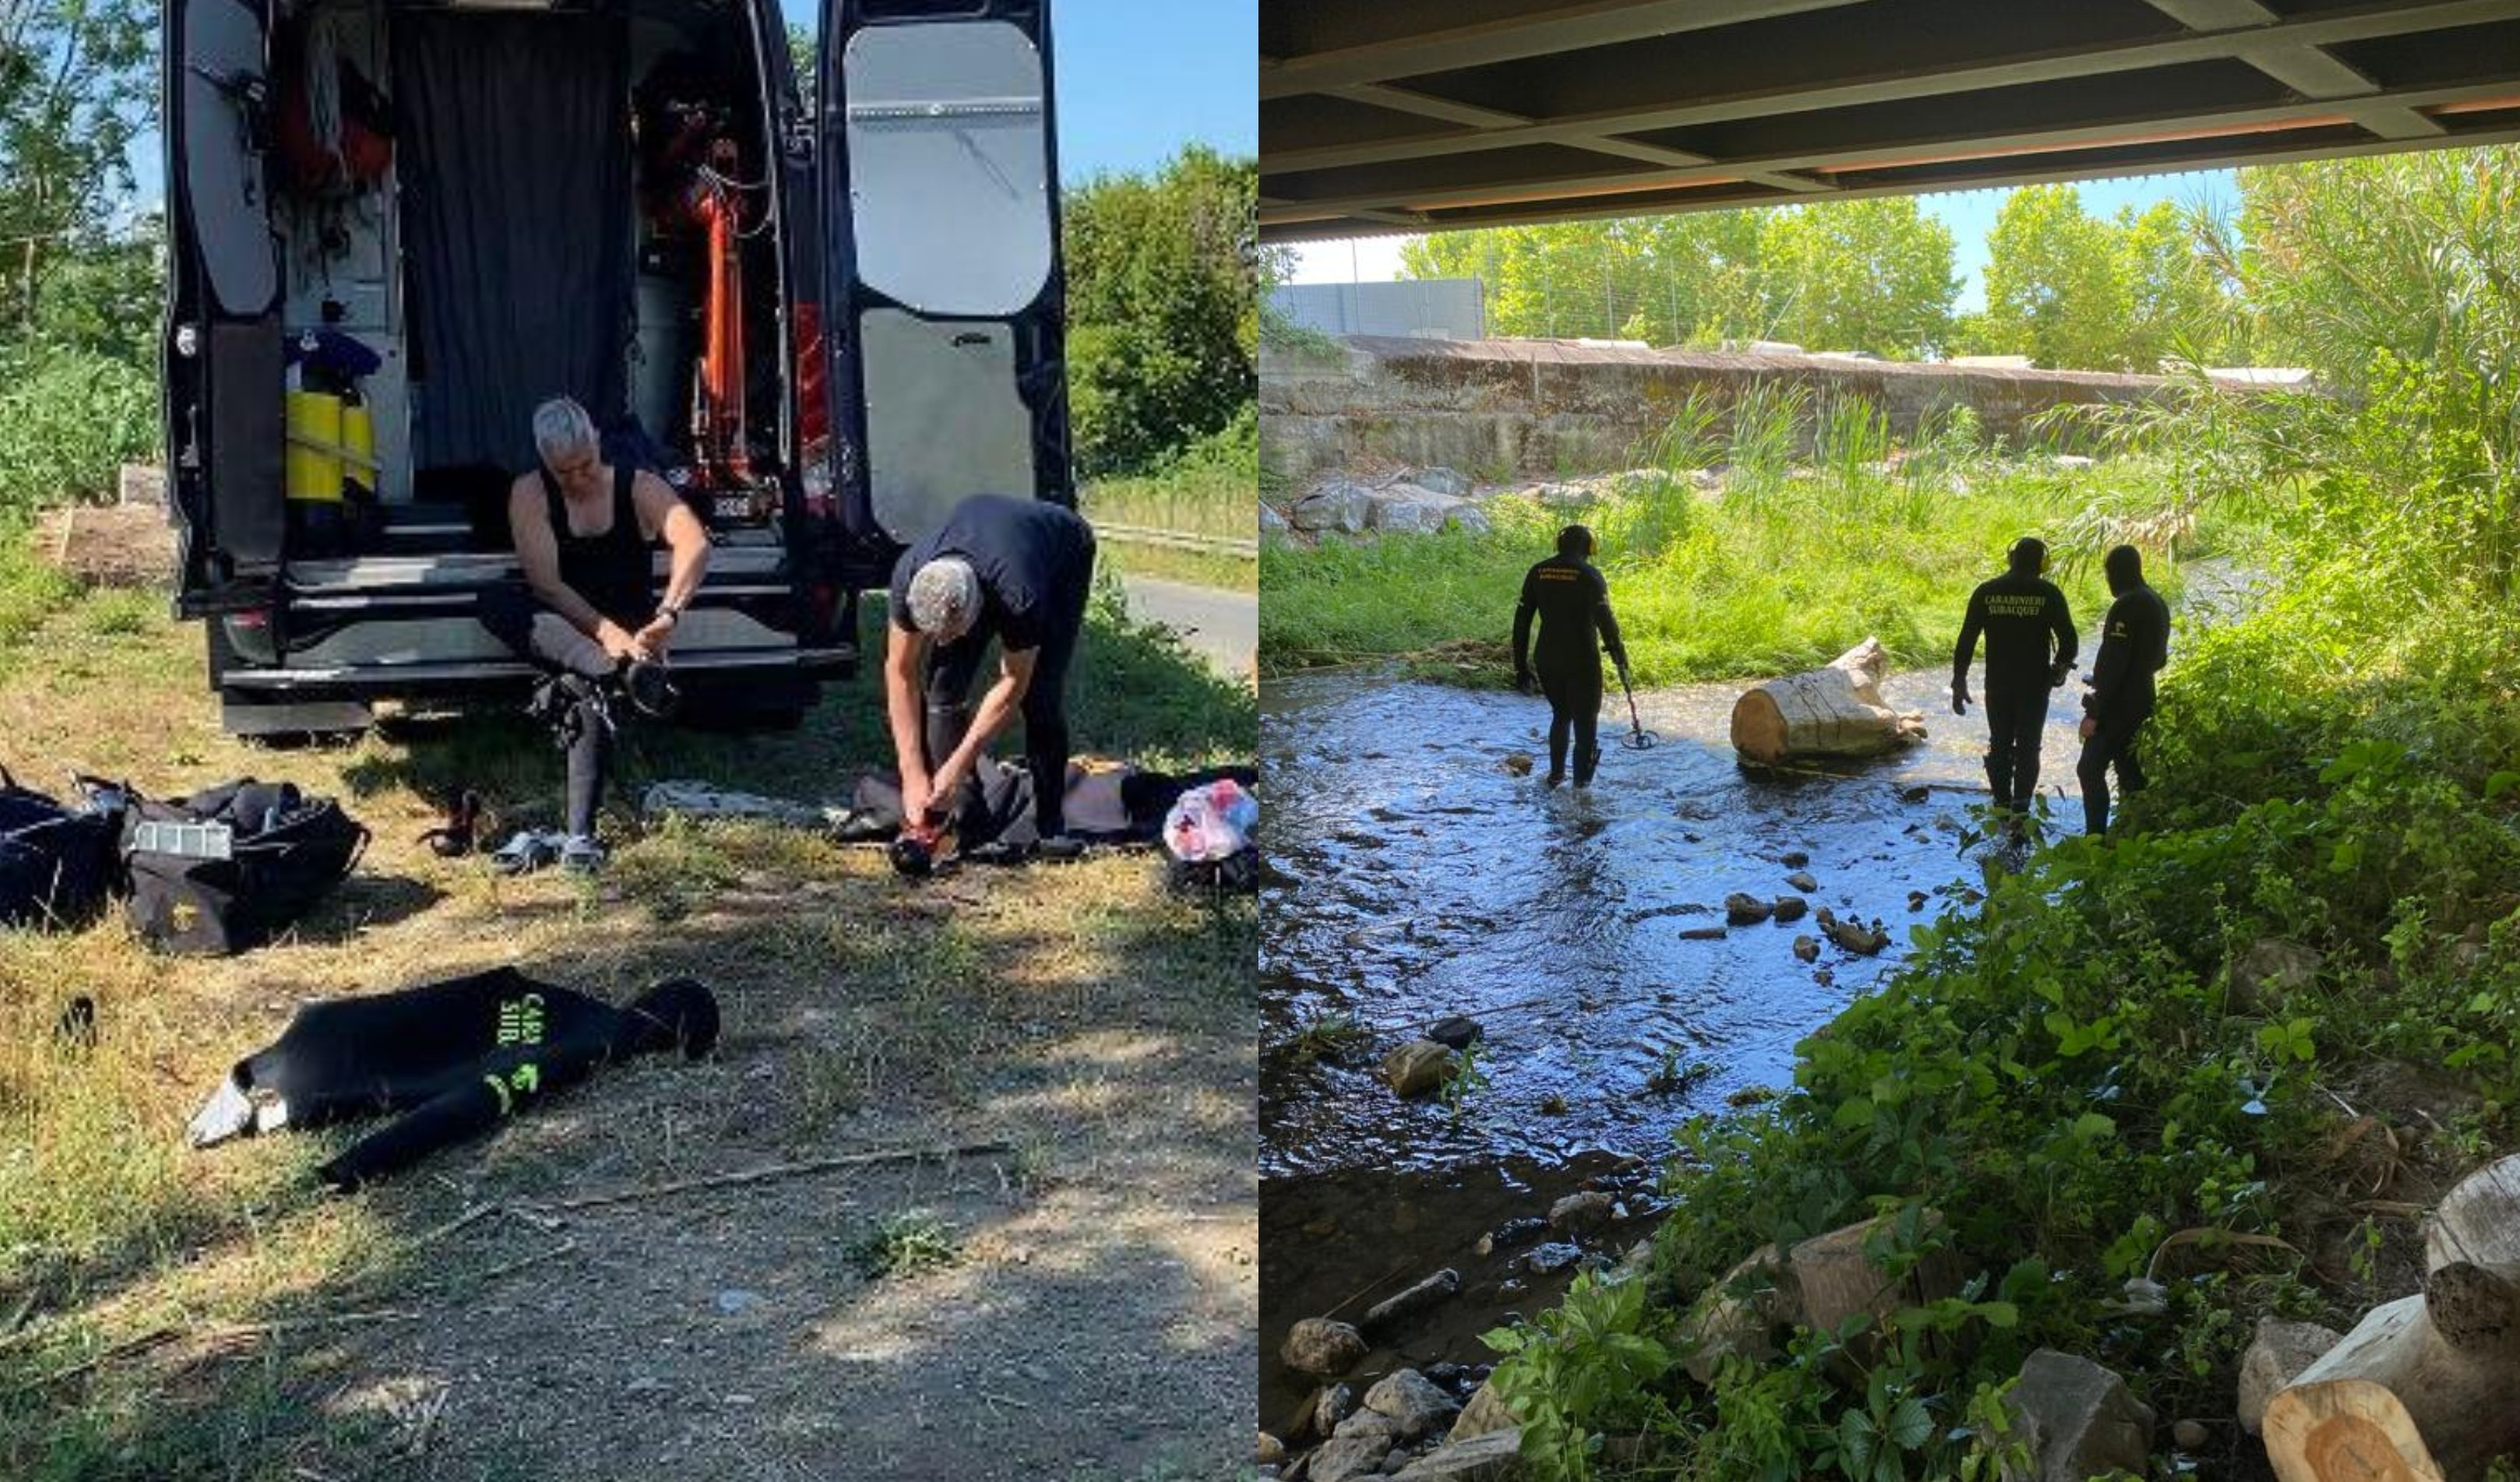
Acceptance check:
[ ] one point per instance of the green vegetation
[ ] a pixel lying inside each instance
(2074, 1077)
(1788, 567)
(1204, 491)
(1164, 325)
(904, 1244)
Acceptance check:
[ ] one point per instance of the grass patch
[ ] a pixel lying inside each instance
(904, 1244)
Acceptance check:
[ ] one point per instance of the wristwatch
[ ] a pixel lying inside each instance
(671, 613)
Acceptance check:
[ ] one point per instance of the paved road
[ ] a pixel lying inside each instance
(1222, 626)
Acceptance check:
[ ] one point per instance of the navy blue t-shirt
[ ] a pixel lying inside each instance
(1025, 551)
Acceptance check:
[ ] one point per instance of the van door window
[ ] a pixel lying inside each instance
(947, 166)
(223, 94)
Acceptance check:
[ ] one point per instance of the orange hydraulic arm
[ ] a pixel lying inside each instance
(717, 404)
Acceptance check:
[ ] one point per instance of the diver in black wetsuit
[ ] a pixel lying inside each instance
(1572, 600)
(2030, 648)
(2134, 645)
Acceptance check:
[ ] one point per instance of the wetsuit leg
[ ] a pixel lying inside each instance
(1555, 685)
(1045, 707)
(2112, 745)
(571, 701)
(1587, 700)
(951, 670)
(2014, 721)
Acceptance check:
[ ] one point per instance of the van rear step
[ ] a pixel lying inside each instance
(733, 570)
(317, 717)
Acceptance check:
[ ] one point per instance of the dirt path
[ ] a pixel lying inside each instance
(1094, 1319)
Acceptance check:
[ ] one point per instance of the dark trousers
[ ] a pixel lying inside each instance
(951, 672)
(2111, 744)
(572, 699)
(1574, 691)
(2015, 719)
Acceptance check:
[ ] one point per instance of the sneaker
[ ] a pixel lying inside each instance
(1556, 776)
(1061, 847)
(526, 853)
(581, 854)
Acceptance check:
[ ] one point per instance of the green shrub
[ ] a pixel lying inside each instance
(68, 418)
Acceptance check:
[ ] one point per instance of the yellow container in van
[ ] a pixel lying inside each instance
(314, 462)
(359, 445)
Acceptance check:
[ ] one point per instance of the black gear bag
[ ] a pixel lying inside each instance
(227, 870)
(55, 862)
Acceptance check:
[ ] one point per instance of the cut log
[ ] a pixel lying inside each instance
(2424, 1389)
(1831, 711)
(2479, 1221)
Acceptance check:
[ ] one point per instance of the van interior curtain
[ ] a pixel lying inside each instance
(517, 218)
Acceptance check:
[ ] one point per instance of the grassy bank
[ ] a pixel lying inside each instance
(174, 1315)
(1787, 566)
(1208, 494)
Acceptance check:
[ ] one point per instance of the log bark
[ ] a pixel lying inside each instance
(1831, 711)
(2479, 1221)
(2424, 1389)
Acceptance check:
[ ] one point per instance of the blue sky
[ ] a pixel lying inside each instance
(1970, 214)
(1137, 79)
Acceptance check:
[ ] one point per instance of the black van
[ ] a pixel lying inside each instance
(399, 225)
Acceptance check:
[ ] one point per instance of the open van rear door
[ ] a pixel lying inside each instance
(223, 347)
(943, 308)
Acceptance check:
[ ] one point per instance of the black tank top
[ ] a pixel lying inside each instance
(614, 570)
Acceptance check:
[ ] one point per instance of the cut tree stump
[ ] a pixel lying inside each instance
(2478, 1221)
(1831, 711)
(2424, 1389)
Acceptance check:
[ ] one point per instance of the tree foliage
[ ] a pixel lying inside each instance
(1163, 309)
(1869, 275)
(2077, 291)
(77, 84)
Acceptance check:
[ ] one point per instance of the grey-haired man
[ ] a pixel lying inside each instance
(588, 612)
(1016, 569)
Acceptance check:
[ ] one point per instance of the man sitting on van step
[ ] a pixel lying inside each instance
(1020, 571)
(587, 612)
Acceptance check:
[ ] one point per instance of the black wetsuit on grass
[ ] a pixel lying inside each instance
(1573, 602)
(2030, 645)
(2134, 646)
(452, 1059)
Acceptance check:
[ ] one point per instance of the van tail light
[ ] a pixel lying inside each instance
(816, 476)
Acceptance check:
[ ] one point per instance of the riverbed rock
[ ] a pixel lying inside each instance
(2271, 972)
(1853, 935)
(1579, 1211)
(1417, 1067)
(1702, 934)
(1550, 1258)
(1495, 1457)
(2190, 1435)
(1333, 1404)
(1363, 1439)
(1791, 908)
(2276, 1355)
(1804, 882)
(1793, 859)
(1807, 947)
(1458, 1031)
(1322, 1347)
(1269, 1451)
(1742, 909)
(1433, 1292)
(1739, 1313)
(2078, 1420)
(1915, 900)
(1487, 1412)
(1271, 522)
(1412, 1403)
(1407, 510)
(1338, 504)
(1443, 480)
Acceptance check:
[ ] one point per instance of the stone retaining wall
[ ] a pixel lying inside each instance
(1507, 408)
